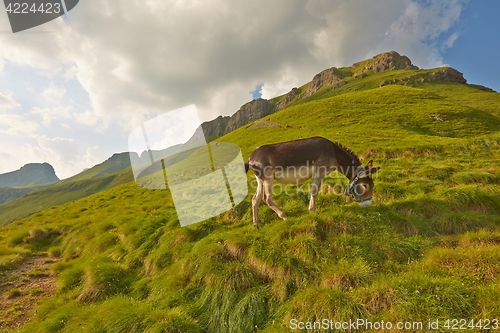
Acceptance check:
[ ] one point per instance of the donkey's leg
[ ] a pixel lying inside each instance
(315, 186)
(257, 197)
(268, 198)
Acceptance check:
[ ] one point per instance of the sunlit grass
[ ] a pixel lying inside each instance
(427, 248)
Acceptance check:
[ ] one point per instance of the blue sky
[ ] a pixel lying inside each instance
(72, 90)
(476, 51)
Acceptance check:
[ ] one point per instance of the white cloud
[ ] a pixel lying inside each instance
(62, 154)
(53, 94)
(94, 155)
(7, 102)
(7, 158)
(137, 56)
(418, 30)
(450, 41)
(63, 148)
(87, 117)
(285, 83)
(137, 59)
(18, 125)
(49, 115)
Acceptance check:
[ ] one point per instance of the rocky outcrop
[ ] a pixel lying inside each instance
(384, 62)
(444, 74)
(288, 98)
(250, 111)
(211, 130)
(325, 78)
(332, 78)
(215, 128)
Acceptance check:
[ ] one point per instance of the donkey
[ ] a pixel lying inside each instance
(294, 162)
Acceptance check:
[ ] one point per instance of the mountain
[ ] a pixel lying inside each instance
(333, 78)
(30, 174)
(429, 246)
(16, 203)
(17, 183)
(117, 162)
(385, 69)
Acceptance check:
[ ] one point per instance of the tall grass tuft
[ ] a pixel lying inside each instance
(221, 310)
(104, 278)
(70, 278)
(487, 300)
(476, 264)
(174, 320)
(421, 296)
(377, 297)
(317, 303)
(347, 274)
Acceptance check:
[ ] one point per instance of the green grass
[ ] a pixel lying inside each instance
(427, 249)
(58, 194)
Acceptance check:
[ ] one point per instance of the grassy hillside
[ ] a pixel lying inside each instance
(428, 249)
(59, 194)
(112, 172)
(115, 163)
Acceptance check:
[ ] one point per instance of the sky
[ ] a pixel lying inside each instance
(73, 89)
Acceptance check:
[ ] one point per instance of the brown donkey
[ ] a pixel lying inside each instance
(294, 162)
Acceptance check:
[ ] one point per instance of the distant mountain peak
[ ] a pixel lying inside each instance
(29, 174)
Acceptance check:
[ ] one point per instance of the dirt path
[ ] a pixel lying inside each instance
(22, 287)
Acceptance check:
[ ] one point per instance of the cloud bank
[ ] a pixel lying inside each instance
(113, 64)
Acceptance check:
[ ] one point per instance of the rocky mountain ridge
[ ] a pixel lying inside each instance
(334, 77)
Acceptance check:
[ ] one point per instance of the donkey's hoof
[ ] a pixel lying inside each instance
(257, 225)
(283, 216)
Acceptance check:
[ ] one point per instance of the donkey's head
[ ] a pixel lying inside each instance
(361, 186)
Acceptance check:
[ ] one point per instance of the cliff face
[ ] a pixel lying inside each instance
(325, 78)
(253, 110)
(288, 98)
(215, 128)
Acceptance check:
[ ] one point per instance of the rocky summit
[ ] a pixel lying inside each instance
(333, 78)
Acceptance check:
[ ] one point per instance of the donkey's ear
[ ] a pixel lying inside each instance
(372, 170)
(369, 164)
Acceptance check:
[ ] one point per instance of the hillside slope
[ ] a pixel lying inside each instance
(334, 80)
(35, 201)
(428, 248)
(16, 204)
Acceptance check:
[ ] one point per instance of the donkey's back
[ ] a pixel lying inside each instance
(297, 153)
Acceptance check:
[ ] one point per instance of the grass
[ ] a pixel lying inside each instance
(58, 194)
(427, 249)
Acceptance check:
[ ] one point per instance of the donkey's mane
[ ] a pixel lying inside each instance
(347, 150)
